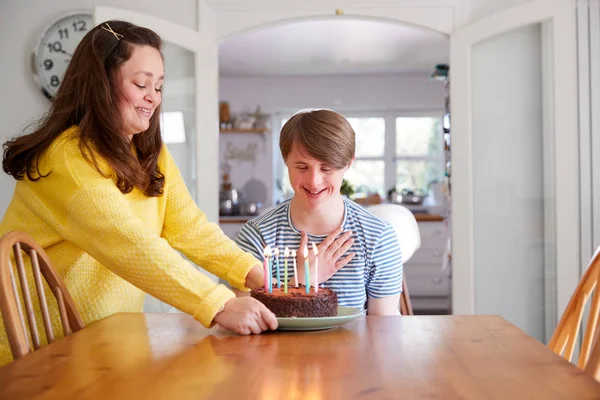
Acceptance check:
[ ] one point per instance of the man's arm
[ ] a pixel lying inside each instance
(382, 306)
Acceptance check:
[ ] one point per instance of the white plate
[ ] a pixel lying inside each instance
(345, 314)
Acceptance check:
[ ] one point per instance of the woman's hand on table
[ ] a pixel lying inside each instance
(330, 255)
(246, 315)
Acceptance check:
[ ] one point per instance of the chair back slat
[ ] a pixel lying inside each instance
(10, 305)
(64, 319)
(590, 328)
(405, 304)
(35, 336)
(592, 366)
(564, 339)
(574, 326)
(18, 304)
(37, 278)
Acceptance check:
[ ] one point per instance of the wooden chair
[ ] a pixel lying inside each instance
(407, 230)
(405, 304)
(564, 339)
(592, 368)
(10, 299)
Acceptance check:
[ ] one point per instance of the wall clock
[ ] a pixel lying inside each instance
(55, 49)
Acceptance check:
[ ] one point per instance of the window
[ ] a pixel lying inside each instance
(418, 155)
(368, 170)
(401, 150)
(172, 127)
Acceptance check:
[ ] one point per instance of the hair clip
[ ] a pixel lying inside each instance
(117, 35)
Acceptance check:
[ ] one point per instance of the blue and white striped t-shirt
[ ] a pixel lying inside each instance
(375, 271)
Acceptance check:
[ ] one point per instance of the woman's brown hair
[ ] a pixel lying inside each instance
(89, 97)
(324, 134)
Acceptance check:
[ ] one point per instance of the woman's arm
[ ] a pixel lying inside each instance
(101, 223)
(188, 230)
(383, 306)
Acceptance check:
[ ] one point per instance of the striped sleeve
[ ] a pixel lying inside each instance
(385, 274)
(249, 239)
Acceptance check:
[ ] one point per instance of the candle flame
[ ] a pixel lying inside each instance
(294, 253)
(286, 252)
(267, 251)
(276, 251)
(314, 248)
(305, 252)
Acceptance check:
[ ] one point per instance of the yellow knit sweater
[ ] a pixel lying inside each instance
(111, 247)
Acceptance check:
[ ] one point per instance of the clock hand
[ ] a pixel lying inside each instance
(64, 52)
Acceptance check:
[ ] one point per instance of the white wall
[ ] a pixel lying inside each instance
(341, 93)
(22, 24)
(473, 10)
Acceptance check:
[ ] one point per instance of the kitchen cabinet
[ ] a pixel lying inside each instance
(232, 225)
(428, 272)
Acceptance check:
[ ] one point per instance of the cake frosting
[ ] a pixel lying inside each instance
(297, 303)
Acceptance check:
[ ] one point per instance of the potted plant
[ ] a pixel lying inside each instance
(346, 189)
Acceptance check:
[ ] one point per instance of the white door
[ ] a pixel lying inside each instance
(190, 97)
(515, 153)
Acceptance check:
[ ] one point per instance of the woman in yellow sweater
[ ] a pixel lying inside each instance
(99, 191)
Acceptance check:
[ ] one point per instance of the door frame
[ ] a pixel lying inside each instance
(562, 224)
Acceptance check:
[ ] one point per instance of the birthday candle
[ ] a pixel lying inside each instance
(295, 269)
(286, 252)
(276, 251)
(316, 268)
(266, 268)
(306, 271)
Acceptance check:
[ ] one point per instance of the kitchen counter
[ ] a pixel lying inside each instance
(239, 219)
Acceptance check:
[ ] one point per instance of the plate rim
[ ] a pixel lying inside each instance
(355, 313)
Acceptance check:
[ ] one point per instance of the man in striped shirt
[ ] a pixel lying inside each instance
(359, 255)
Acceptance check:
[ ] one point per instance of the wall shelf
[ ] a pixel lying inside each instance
(243, 131)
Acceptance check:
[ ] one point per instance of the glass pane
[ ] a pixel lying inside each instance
(418, 136)
(416, 176)
(172, 127)
(509, 174)
(179, 116)
(366, 176)
(370, 136)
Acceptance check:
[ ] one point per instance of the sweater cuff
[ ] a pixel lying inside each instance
(211, 304)
(239, 271)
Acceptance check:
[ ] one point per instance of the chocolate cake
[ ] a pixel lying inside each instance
(296, 303)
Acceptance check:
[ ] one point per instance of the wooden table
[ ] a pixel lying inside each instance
(170, 356)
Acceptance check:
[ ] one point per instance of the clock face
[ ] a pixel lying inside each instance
(56, 49)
